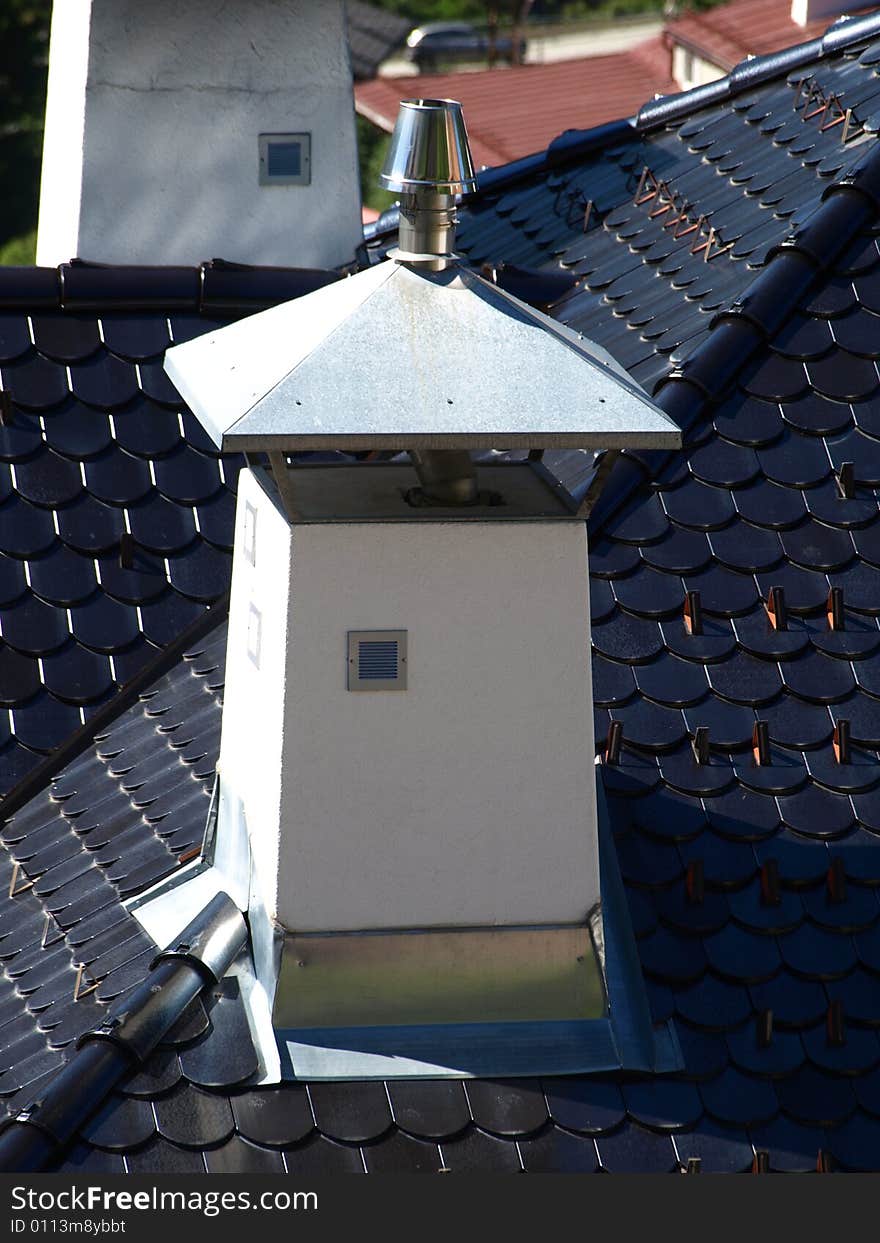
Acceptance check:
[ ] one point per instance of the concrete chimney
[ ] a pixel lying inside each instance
(181, 130)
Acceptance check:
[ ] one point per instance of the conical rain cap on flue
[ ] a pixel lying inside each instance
(429, 149)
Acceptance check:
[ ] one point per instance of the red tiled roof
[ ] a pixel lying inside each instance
(727, 34)
(512, 112)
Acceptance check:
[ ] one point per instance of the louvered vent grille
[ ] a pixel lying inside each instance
(377, 660)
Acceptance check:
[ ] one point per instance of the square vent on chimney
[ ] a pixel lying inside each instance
(377, 660)
(285, 159)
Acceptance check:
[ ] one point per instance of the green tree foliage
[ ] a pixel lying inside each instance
(19, 251)
(420, 11)
(479, 11)
(372, 149)
(24, 42)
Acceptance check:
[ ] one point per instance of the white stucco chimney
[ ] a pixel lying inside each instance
(181, 130)
(805, 11)
(407, 764)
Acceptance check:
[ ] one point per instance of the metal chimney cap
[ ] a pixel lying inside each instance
(429, 149)
(394, 358)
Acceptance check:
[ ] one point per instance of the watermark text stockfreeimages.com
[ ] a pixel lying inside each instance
(97, 1199)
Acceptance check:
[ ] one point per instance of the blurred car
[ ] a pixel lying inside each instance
(437, 42)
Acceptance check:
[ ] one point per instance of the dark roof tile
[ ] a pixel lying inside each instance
(507, 1107)
(554, 1151)
(320, 1156)
(715, 641)
(857, 910)
(160, 1157)
(711, 1005)
(726, 864)
(650, 725)
(633, 1149)
(816, 953)
(817, 812)
(35, 383)
(187, 476)
(721, 1150)
(814, 1097)
(745, 679)
(609, 558)
(200, 572)
(216, 519)
(105, 382)
(160, 1074)
(856, 333)
(135, 337)
(767, 504)
(228, 1031)
(860, 583)
(276, 1117)
(48, 479)
(751, 1052)
(863, 450)
(672, 957)
(351, 1112)
(856, 1144)
(588, 1106)
(15, 338)
(735, 1098)
(665, 1105)
(62, 577)
(117, 477)
(730, 725)
(237, 1156)
(699, 505)
(476, 1152)
(27, 530)
(90, 526)
(160, 525)
(742, 815)
(680, 552)
(429, 1109)
(156, 384)
(193, 1118)
(792, 1148)
(402, 1154)
(817, 416)
(146, 429)
(191, 1026)
(84, 1159)
(122, 1123)
(742, 956)
(624, 636)
(167, 617)
(858, 1052)
(77, 675)
(19, 676)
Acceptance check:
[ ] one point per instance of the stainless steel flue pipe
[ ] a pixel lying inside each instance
(428, 164)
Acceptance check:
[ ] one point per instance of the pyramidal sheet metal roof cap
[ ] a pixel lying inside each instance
(405, 359)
